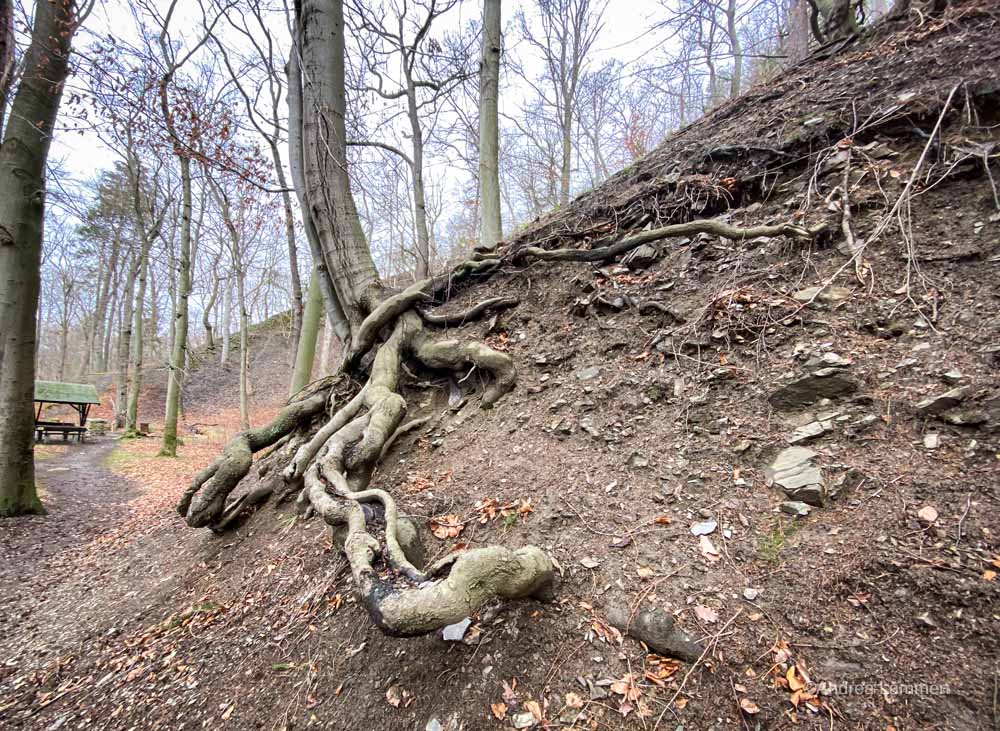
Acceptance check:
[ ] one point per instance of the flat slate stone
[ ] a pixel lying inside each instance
(820, 384)
(794, 472)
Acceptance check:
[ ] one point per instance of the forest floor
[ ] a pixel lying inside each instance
(636, 449)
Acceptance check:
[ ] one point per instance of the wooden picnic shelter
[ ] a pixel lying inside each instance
(79, 396)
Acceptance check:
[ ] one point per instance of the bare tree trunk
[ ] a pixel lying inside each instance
(94, 335)
(293, 255)
(23, 154)
(296, 162)
(490, 224)
(125, 345)
(178, 352)
(136, 347)
(419, 194)
(736, 48)
(244, 348)
(227, 318)
(305, 353)
(213, 296)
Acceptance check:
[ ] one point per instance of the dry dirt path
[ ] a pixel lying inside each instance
(61, 571)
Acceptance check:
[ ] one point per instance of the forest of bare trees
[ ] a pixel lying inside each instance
(569, 117)
(412, 136)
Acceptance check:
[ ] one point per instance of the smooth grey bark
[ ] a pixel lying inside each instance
(331, 301)
(329, 202)
(178, 350)
(209, 310)
(490, 224)
(227, 318)
(305, 352)
(23, 154)
(125, 345)
(419, 192)
(736, 48)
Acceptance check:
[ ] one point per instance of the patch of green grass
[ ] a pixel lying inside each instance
(771, 546)
(510, 520)
(118, 457)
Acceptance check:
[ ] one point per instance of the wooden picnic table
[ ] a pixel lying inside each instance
(58, 427)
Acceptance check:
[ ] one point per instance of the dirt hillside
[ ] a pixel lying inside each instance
(787, 451)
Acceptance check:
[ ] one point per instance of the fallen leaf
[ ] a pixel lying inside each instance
(573, 700)
(990, 575)
(708, 549)
(627, 688)
(499, 710)
(748, 706)
(662, 520)
(794, 678)
(446, 526)
(680, 703)
(706, 614)
(645, 573)
(534, 709)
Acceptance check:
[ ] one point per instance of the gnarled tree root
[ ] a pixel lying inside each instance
(204, 502)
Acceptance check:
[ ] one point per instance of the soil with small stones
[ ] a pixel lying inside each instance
(628, 425)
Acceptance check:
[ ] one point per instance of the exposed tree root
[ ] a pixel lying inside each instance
(460, 318)
(708, 226)
(203, 503)
(332, 469)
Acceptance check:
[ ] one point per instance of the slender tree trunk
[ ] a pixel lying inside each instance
(565, 168)
(490, 224)
(125, 345)
(95, 334)
(137, 347)
(797, 42)
(293, 254)
(178, 351)
(23, 154)
(244, 348)
(213, 296)
(736, 80)
(109, 330)
(305, 353)
(419, 194)
(7, 59)
(227, 318)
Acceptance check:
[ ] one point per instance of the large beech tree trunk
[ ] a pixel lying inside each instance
(23, 153)
(490, 226)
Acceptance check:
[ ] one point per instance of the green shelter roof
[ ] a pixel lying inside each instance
(54, 392)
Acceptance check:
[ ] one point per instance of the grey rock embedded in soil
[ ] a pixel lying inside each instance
(704, 528)
(641, 257)
(967, 417)
(953, 376)
(823, 383)
(455, 632)
(810, 431)
(932, 440)
(588, 374)
(829, 295)
(656, 628)
(794, 472)
(937, 404)
(795, 508)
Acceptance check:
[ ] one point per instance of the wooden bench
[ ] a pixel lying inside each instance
(58, 427)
